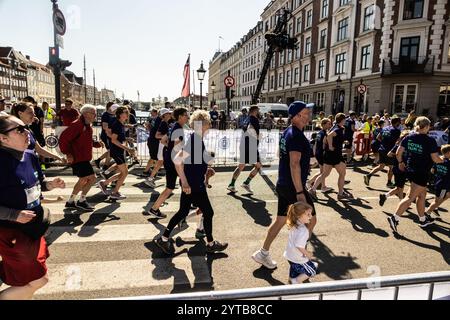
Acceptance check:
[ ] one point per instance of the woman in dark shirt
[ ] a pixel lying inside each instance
(191, 164)
(333, 158)
(117, 150)
(23, 221)
(319, 151)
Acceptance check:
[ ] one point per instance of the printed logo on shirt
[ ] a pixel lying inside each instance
(441, 170)
(415, 148)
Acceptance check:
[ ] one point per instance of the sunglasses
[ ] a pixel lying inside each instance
(20, 129)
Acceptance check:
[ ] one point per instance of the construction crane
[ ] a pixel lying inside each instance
(277, 41)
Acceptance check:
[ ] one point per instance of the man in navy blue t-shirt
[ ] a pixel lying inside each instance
(295, 155)
(249, 153)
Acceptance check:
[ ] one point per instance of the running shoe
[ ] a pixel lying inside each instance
(103, 187)
(232, 189)
(390, 184)
(393, 223)
(247, 188)
(427, 222)
(382, 199)
(216, 247)
(70, 205)
(117, 196)
(200, 234)
(326, 190)
(84, 205)
(265, 260)
(345, 196)
(165, 246)
(150, 183)
(157, 214)
(367, 180)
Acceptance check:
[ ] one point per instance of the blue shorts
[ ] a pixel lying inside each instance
(309, 268)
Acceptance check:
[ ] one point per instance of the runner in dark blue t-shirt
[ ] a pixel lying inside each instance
(249, 153)
(422, 151)
(333, 159)
(106, 119)
(192, 165)
(387, 138)
(442, 183)
(293, 171)
(174, 145)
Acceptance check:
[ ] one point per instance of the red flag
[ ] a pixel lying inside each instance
(187, 79)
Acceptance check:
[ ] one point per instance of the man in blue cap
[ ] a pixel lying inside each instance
(293, 171)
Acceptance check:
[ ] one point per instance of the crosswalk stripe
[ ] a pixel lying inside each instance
(112, 233)
(110, 275)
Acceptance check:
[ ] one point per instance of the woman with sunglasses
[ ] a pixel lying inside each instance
(23, 221)
(118, 150)
(25, 112)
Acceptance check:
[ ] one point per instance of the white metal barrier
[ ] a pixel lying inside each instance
(424, 286)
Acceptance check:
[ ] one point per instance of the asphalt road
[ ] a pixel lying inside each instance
(110, 253)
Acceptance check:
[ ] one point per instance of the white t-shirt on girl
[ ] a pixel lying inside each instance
(298, 237)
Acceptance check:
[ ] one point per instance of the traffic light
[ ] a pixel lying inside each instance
(53, 56)
(232, 94)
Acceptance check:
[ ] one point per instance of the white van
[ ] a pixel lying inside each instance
(277, 109)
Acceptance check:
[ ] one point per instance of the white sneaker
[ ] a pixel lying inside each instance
(247, 188)
(265, 260)
(232, 189)
(151, 183)
(117, 196)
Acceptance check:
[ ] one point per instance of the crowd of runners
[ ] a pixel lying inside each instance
(176, 143)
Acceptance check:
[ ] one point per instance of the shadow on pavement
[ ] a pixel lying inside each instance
(335, 267)
(358, 221)
(256, 209)
(266, 274)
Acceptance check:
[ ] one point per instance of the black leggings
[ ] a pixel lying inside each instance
(201, 200)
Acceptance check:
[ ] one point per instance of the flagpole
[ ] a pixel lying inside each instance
(193, 81)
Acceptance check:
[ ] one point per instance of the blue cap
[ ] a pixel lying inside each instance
(297, 107)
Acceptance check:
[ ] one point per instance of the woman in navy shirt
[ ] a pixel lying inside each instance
(422, 151)
(333, 158)
(23, 221)
(117, 150)
(191, 164)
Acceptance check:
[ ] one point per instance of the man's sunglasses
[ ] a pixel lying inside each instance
(20, 129)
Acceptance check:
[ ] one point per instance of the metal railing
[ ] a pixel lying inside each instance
(362, 286)
(423, 65)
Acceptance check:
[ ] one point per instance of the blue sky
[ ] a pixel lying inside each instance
(135, 44)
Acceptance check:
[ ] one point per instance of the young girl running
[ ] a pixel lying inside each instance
(302, 268)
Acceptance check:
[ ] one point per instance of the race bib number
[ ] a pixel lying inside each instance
(33, 196)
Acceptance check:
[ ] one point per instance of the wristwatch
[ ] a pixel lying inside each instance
(301, 192)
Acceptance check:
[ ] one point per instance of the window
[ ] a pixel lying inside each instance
(309, 18)
(343, 2)
(299, 25)
(297, 53)
(320, 100)
(444, 95)
(405, 98)
(448, 58)
(288, 77)
(280, 80)
(413, 9)
(365, 57)
(340, 63)
(322, 69)
(306, 73)
(308, 46)
(272, 82)
(409, 49)
(323, 39)
(369, 17)
(324, 12)
(296, 76)
(342, 29)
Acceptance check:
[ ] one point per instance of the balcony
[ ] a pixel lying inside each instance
(421, 65)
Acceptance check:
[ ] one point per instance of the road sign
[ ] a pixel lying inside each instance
(60, 41)
(59, 22)
(229, 81)
(362, 88)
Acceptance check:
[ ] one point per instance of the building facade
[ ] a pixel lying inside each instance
(230, 64)
(72, 87)
(13, 75)
(106, 96)
(214, 72)
(41, 82)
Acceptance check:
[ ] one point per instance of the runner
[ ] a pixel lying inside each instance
(422, 151)
(442, 183)
(249, 152)
(400, 177)
(333, 159)
(118, 149)
(149, 126)
(349, 133)
(192, 165)
(23, 221)
(318, 153)
(174, 145)
(376, 143)
(107, 117)
(388, 137)
(76, 143)
(68, 114)
(160, 133)
(293, 171)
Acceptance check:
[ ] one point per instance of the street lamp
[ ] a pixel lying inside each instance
(213, 88)
(338, 93)
(201, 76)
